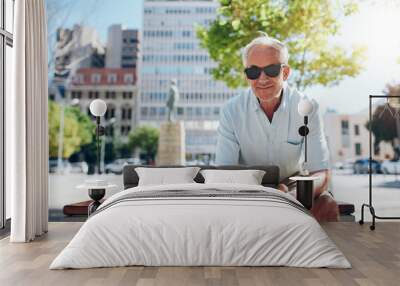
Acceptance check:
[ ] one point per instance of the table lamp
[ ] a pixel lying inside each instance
(305, 108)
(304, 182)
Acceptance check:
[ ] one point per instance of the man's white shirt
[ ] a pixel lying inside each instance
(246, 136)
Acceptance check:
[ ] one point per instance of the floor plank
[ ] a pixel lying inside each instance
(374, 255)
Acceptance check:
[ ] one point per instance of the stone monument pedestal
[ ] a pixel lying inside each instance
(171, 144)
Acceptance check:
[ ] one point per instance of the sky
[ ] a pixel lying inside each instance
(375, 26)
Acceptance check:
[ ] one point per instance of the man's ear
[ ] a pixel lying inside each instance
(286, 72)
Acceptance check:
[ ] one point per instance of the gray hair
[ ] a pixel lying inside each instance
(265, 40)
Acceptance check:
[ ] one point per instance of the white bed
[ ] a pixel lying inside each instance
(185, 230)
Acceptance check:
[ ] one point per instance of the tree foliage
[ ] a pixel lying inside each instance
(305, 26)
(145, 138)
(78, 130)
(385, 124)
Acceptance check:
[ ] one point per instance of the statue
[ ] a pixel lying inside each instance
(173, 97)
(171, 143)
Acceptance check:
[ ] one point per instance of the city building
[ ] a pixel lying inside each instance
(170, 50)
(80, 73)
(76, 48)
(117, 87)
(348, 138)
(122, 47)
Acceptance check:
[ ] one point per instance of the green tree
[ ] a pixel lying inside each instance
(145, 138)
(122, 149)
(305, 26)
(78, 130)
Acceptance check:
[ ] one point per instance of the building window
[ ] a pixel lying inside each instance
(189, 111)
(76, 94)
(128, 78)
(96, 78)
(128, 58)
(110, 113)
(125, 130)
(345, 134)
(216, 111)
(110, 94)
(126, 113)
(358, 149)
(78, 79)
(6, 64)
(345, 127)
(112, 78)
(144, 111)
(127, 95)
(356, 130)
(161, 111)
(153, 111)
(110, 130)
(199, 111)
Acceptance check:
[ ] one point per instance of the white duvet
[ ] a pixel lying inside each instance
(200, 231)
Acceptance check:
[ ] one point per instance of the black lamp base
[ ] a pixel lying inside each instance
(96, 195)
(304, 193)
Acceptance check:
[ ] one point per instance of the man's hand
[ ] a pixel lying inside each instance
(325, 209)
(283, 188)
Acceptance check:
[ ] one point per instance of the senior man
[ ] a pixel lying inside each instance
(260, 126)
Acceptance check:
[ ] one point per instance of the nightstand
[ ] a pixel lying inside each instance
(96, 190)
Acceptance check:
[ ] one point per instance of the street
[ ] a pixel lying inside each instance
(346, 187)
(354, 189)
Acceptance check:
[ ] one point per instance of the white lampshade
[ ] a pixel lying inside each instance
(305, 107)
(98, 107)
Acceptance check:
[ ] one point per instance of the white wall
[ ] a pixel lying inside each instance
(340, 152)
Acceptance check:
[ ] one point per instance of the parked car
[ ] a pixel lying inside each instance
(362, 166)
(117, 166)
(347, 164)
(55, 168)
(197, 162)
(135, 161)
(390, 167)
(79, 167)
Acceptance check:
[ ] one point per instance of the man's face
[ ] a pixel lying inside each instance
(266, 88)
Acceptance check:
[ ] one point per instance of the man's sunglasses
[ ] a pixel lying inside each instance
(254, 72)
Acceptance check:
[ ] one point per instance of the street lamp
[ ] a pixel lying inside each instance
(103, 143)
(98, 108)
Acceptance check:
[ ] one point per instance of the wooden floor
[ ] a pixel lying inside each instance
(375, 256)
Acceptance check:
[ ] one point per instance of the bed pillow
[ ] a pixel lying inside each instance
(248, 177)
(162, 176)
